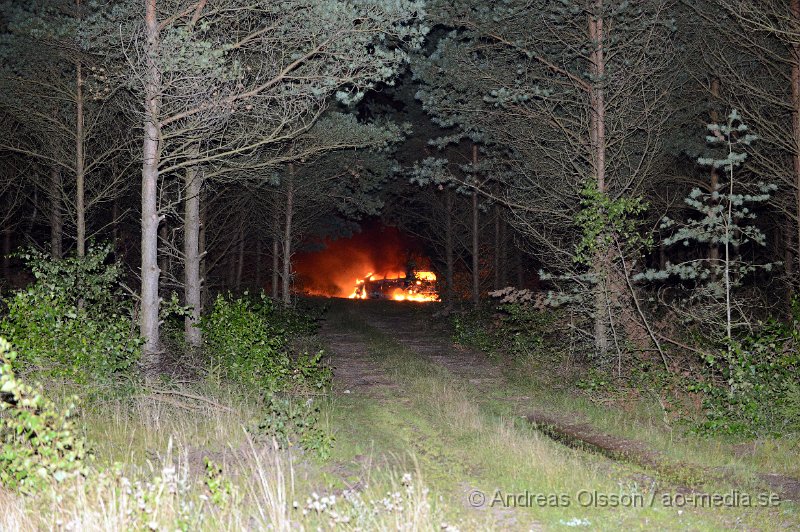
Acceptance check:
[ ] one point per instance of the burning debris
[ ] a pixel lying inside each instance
(398, 266)
(415, 286)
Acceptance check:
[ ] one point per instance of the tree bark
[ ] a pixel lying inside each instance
(191, 252)
(448, 248)
(201, 246)
(56, 215)
(496, 283)
(597, 125)
(80, 163)
(476, 281)
(287, 237)
(789, 270)
(276, 274)
(795, 8)
(148, 318)
(503, 253)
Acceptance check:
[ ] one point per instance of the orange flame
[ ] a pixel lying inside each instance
(419, 291)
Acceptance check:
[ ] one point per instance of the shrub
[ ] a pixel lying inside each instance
(473, 329)
(248, 342)
(289, 420)
(750, 388)
(39, 442)
(73, 321)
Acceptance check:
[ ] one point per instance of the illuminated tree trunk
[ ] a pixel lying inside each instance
(201, 246)
(597, 133)
(191, 253)
(148, 318)
(56, 214)
(476, 281)
(80, 164)
(287, 238)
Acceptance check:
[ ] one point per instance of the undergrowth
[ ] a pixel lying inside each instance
(248, 341)
(39, 442)
(74, 322)
(746, 389)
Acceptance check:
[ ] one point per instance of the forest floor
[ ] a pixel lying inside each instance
(429, 435)
(500, 454)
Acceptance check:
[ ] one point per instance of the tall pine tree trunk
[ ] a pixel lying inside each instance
(597, 125)
(287, 237)
(795, 8)
(148, 317)
(476, 281)
(497, 247)
(503, 253)
(56, 214)
(276, 264)
(80, 163)
(191, 252)
(201, 246)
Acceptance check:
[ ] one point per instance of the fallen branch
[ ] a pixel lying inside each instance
(191, 396)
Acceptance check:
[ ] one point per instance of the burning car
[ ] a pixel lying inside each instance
(416, 286)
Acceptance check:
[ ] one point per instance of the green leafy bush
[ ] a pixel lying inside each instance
(248, 339)
(290, 418)
(73, 321)
(246, 344)
(473, 329)
(518, 330)
(751, 388)
(39, 442)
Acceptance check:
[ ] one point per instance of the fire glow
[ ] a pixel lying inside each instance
(376, 263)
(397, 287)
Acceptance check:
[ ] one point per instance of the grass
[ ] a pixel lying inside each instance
(413, 457)
(150, 473)
(644, 419)
(470, 441)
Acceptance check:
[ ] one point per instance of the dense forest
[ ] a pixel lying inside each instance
(347, 264)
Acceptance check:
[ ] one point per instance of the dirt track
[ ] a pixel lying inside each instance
(419, 329)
